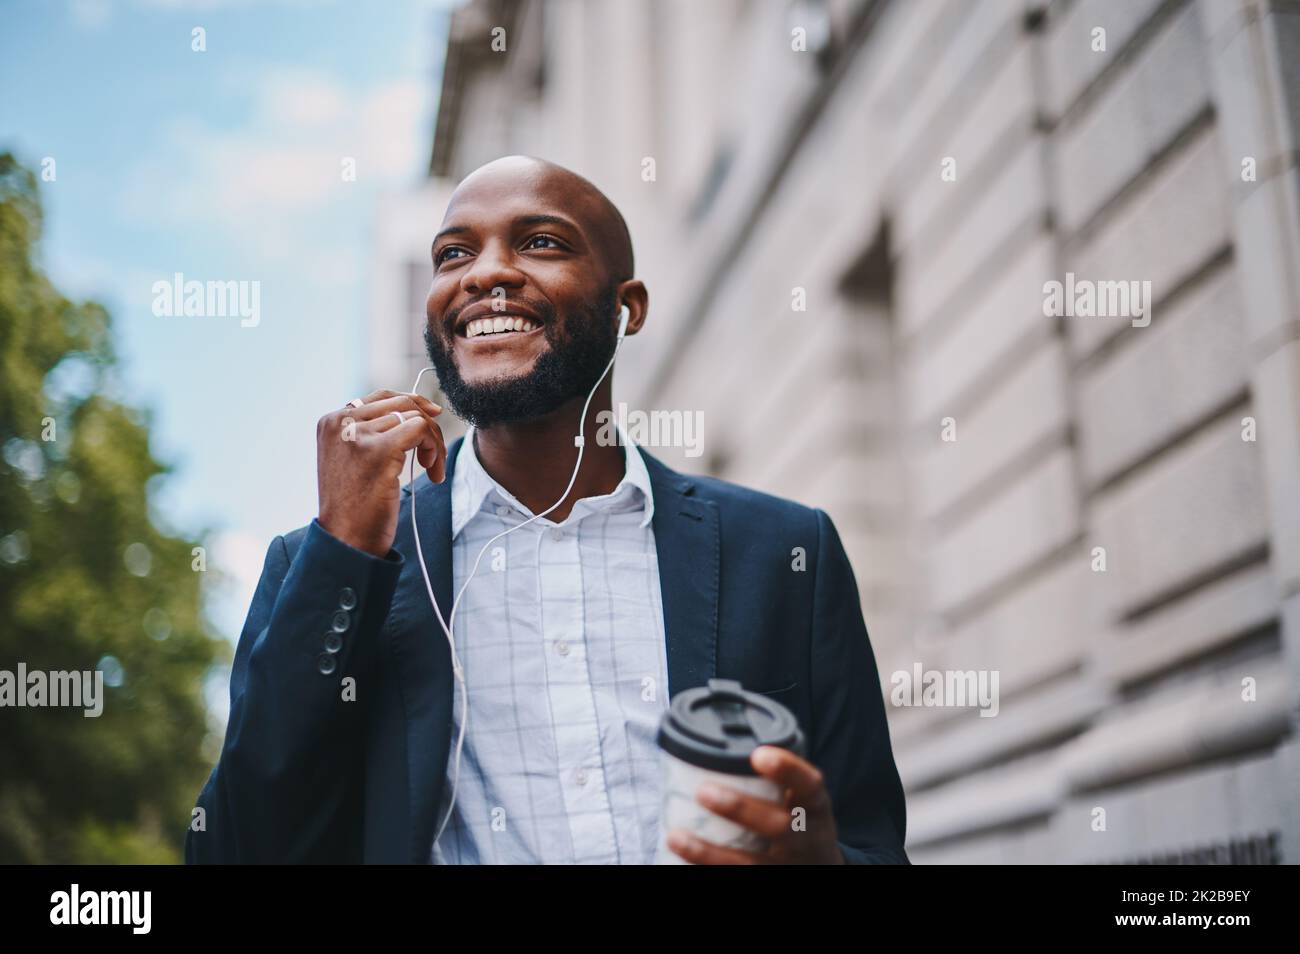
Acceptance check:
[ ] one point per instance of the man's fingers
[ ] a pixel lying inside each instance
(790, 771)
(418, 432)
(701, 852)
(432, 455)
(386, 422)
(412, 432)
(376, 407)
(760, 815)
(390, 421)
(374, 410)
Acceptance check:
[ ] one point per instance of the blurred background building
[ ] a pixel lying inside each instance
(1115, 529)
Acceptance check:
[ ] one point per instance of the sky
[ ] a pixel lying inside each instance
(224, 164)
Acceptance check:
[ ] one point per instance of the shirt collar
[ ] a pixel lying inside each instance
(471, 484)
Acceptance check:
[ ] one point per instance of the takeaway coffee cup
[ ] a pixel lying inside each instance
(707, 735)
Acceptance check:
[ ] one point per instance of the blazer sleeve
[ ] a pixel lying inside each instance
(287, 787)
(849, 738)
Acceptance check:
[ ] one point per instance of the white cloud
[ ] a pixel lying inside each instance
(394, 128)
(90, 14)
(270, 184)
(302, 99)
(291, 154)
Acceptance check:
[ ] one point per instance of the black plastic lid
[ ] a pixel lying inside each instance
(718, 726)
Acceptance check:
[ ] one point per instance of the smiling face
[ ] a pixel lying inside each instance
(522, 312)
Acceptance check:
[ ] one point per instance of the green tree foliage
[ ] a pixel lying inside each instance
(87, 580)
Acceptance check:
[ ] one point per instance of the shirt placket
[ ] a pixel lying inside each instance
(573, 706)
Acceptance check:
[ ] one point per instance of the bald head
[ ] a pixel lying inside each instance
(594, 213)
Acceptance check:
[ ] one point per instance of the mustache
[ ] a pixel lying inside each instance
(540, 307)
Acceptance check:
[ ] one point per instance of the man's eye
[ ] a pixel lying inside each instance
(442, 256)
(555, 243)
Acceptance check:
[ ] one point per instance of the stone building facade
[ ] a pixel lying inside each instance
(848, 214)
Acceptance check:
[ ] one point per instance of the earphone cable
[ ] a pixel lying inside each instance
(448, 626)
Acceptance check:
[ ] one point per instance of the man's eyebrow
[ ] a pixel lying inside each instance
(450, 230)
(541, 219)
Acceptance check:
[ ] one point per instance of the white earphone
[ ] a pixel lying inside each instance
(449, 624)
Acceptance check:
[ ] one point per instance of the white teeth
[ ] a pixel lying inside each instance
(491, 326)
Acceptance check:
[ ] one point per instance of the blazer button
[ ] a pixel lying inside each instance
(347, 598)
(333, 643)
(341, 621)
(325, 663)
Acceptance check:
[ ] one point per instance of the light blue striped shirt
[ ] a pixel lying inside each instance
(561, 637)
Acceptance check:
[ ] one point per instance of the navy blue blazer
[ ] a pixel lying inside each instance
(308, 775)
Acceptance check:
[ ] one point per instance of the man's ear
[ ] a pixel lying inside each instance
(636, 298)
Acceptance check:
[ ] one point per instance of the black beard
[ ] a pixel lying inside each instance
(569, 368)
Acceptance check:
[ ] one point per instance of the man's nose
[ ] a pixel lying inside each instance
(492, 267)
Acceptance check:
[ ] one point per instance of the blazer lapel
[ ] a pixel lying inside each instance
(688, 542)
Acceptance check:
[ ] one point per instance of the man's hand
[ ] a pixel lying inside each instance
(812, 842)
(359, 455)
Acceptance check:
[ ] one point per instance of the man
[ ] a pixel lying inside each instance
(574, 630)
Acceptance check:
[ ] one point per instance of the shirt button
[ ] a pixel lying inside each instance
(347, 598)
(580, 776)
(562, 647)
(341, 621)
(333, 642)
(325, 663)
(502, 510)
(557, 534)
